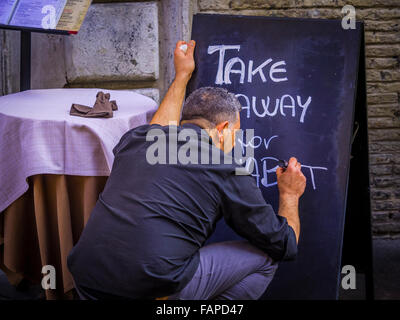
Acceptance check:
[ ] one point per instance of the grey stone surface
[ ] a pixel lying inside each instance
(152, 93)
(9, 61)
(117, 41)
(175, 24)
(48, 63)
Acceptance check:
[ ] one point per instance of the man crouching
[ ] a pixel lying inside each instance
(145, 237)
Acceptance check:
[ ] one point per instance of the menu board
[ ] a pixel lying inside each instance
(6, 9)
(64, 15)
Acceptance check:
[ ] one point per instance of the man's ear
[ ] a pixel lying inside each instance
(221, 126)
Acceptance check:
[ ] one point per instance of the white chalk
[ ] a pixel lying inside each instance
(183, 47)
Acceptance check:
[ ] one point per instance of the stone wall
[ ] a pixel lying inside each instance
(129, 45)
(124, 45)
(382, 35)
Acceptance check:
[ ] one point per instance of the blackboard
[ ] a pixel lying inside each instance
(297, 82)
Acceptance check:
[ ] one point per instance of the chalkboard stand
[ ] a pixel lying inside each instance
(25, 63)
(336, 229)
(26, 47)
(357, 242)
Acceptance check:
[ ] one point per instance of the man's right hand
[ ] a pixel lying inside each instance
(291, 185)
(184, 61)
(291, 181)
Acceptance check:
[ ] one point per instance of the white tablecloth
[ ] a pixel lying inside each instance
(39, 136)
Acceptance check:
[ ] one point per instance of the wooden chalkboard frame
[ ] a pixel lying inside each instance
(356, 245)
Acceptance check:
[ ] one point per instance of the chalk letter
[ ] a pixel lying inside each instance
(247, 106)
(258, 69)
(292, 105)
(228, 70)
(264, 180)
(312, 173)
(304, 106)
(221, 48)
(265, 107)
(253, 102)
(275, 70)
(271, 114)
(252, 165)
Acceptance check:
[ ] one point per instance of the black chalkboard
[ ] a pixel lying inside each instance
(297, 82)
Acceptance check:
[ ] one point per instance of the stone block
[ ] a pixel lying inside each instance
(381, 159)
(382, 37)
(152, 93)
(48, 64)
(117, 42)
(382, 63)
(381, 98)
(384, 110)
(384, 122)
(383, 75)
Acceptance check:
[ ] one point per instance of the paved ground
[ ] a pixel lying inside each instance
(386, 277)
(387, 269)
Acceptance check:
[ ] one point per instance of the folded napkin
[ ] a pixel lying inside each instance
(103, 107)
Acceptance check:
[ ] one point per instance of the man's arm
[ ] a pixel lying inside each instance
(245, 210)
(171, 106)
(291, 184)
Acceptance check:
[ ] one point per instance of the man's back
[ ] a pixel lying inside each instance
(143, 237)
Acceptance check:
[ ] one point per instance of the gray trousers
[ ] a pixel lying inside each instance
(231, 270)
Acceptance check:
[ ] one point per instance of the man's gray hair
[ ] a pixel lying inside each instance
(212, 104)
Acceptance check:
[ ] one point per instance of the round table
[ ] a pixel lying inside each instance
(52, 168)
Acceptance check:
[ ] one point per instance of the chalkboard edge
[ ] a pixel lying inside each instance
(358, 22)
(38, 30)
(360, 55)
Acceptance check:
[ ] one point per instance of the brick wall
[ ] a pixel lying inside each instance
(382, 34)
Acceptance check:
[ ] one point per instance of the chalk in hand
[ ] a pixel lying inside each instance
(283, 164)
(183, 47)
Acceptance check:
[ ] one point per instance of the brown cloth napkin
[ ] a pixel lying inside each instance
(103, 107)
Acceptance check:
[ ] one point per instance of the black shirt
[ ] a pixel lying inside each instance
(143, 237)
